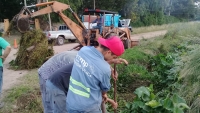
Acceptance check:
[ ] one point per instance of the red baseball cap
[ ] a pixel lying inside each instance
(113, 43)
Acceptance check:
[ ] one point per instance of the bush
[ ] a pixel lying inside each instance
(147, 102)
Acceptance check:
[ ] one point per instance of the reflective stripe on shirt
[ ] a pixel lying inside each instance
(76, 91)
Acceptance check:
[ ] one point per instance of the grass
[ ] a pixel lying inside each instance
(24, 97)
(151, 28)
(190, 80)
(157, 27)
(183, 40)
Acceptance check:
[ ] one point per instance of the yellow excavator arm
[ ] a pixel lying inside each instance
(22, 18)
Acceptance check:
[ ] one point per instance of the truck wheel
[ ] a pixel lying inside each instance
(60, 40)
(127, 43)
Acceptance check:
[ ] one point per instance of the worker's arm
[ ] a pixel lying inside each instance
(6, 53)
(104, 96)
(101, 20)
(113, 103)
(95, 21)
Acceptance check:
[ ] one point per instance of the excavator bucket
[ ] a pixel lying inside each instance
(23, 24)
(21, 20)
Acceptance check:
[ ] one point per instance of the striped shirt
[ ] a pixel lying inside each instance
(56, 62)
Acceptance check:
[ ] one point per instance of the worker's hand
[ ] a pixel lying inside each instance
(115, 105)
(105, 97)
(77, 48)
(120, 61)
(3, 58)
(87, 36)
(114, 74)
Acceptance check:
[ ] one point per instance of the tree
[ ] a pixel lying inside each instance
(183, 9)
(9, 8)
(112, 5)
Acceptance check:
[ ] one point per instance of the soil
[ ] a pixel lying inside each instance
(11, 77)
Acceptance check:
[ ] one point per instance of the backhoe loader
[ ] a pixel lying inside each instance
(84, 35)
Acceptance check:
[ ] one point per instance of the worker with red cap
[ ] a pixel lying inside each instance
(90, 77)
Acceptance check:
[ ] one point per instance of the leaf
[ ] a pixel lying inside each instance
(152, 96)
(143, 93)
(177, 110)
(137, 104)
(150, 88)
(177, 99)
(168, 104)
(128, 105)
(183, 106)
(153, 103)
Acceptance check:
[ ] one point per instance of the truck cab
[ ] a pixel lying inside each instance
(63, 33)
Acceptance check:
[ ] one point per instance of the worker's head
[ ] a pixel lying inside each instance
(98, 15)
(111, 47)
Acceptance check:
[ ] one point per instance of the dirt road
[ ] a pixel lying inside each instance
(10, 77)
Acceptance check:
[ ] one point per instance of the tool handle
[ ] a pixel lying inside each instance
(115, 88)
(103, 107)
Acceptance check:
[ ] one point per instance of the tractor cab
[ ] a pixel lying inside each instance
(109, 19)
(110, 23)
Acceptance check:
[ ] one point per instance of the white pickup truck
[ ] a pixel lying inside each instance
(61, 35)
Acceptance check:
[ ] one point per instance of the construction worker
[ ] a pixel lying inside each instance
(90, 77)
(4, 45)
(99, 22)
(48, 68)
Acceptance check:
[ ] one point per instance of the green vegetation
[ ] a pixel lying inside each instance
(171, 64)
(25, 97)
(137, 30)
(162, 76)
(147, 102)
(30, 54)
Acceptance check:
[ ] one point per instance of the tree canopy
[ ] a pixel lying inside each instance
(141, 12)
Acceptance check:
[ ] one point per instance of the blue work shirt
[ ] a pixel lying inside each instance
(98, 21)
(90, 76)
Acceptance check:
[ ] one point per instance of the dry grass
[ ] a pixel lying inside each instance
(161, 27)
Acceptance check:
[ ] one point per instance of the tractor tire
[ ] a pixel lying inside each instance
(60, 40)
(127, 43)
